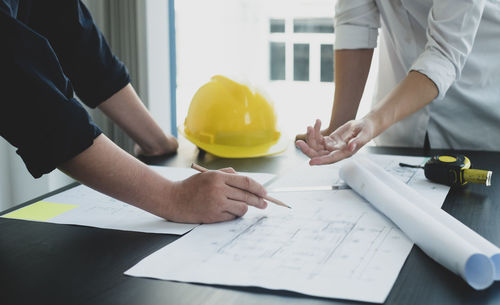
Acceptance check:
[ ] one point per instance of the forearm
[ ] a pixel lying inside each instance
(209, 197)
(351, 73)
(110, 170)
(126, 109)
(414, 92)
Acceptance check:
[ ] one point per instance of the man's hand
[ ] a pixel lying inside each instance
(340, 144)
(213, 196)
(168, 146)
(126, 109)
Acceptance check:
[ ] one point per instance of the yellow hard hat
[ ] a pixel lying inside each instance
(227, 119)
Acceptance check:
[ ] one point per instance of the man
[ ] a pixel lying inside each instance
(438, 82)
(49, 48)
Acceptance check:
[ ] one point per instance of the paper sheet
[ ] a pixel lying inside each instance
(437, 233)
(451, 222)
(82, 205)
(331, 244)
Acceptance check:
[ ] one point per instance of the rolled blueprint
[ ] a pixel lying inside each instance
(434, 238)
(423, 203)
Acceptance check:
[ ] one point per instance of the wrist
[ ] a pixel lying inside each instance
(378, 121)
(165, 200)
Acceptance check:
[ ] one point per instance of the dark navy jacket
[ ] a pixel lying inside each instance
(50, 49)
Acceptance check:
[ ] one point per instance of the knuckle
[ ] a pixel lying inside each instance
(243, 209)
(246, 197)
(212, 218)
(215, 178)
(247, 182)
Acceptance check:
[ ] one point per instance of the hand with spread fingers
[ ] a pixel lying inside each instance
(340, 144)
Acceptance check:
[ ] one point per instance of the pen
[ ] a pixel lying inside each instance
(268, 198)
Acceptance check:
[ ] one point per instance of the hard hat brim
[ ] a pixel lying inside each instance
(238, 152)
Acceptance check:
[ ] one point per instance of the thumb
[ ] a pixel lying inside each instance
(358, 141)
(228, 170)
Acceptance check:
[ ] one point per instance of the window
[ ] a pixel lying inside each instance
(277, 61)
(327, 62)
(277, 26)
(315, 35)
(301, 61)
(313, 25)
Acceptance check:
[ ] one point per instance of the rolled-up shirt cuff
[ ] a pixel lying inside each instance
(73, 133)
(437, 68)
(355, 37)
(116, 80)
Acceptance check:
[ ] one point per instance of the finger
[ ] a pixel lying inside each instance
(137, 150)
(228, 170)
(235, 207)
(224, 216)
(315, 139)
(173, 143)
(306, 149)
(310, 139)
(317, 131)
(354, 145)
(246, 197)
(359, 141)
(310, 152)
(351, 131)
(246, 183)
(333, 157)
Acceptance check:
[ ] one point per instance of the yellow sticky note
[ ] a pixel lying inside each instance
(40, 211)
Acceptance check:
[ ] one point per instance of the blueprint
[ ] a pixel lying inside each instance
(330, 244)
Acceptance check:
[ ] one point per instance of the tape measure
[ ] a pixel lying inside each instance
(453, 170)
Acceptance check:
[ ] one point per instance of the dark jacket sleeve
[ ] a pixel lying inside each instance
(38, 113)
(96, 74)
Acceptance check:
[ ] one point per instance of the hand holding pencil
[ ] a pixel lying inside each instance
(201, 169)
(212, 196)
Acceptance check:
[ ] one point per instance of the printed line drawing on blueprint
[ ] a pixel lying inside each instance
(343, 240)
(331, 244)
(406, 174)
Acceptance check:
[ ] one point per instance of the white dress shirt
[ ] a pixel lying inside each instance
(456, 43)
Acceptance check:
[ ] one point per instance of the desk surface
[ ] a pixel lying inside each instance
(43, 263)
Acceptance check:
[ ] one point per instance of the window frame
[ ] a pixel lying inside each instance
(157, 61)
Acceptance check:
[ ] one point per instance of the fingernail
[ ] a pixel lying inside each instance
(353, 147)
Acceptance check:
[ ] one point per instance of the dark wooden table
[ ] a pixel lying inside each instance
(43, 263)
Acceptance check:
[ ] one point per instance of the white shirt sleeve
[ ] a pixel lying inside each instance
(451, 29)
(356, 24)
